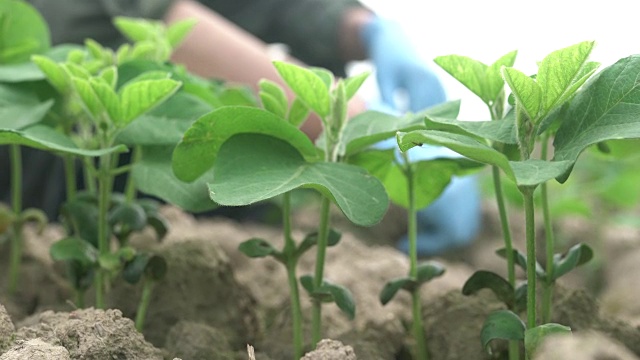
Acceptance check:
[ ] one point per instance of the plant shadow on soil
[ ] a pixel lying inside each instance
(215, 300)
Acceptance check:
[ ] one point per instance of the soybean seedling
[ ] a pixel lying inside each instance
(257, 155)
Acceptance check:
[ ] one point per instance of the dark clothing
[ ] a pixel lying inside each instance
(308, 27)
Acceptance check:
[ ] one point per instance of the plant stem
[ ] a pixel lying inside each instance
(323, 234)
(104, 188)
(547, 295)
(16, 204)
(421, 352)
(291, 263)
(530, 236)
(141, 314)
(130, 188)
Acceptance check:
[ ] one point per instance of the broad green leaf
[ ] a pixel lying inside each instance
(46, 138)
(526, 91)
(484, 81)
(525, 173)
(73, 248)
(489, 280)
(197, 151)
(503, 131)
(501, 324)
(370, 127)
(256, 248)
(560, 70)
(20, 108)
(606, 109)
(24, 32)
(353, 83)
(533, 337)
(153, 176)
(139, 97)
(307, 85)
(579, 254)
(177, 31)
(392, 287)
(254, 167)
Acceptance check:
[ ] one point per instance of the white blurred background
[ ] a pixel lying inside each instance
(486, 30)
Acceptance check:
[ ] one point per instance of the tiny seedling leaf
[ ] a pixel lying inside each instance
(73, 248)
(428, 271)
(308, 85)
(159, 224)
(489, 280)
(256, 248)
(526, 90)
(298, 113)
(579, 254)
(533, 337)
(307, 283)
(139, 97)
(501, 324)
(353, 83)
(343, 298)
(392, 287)
(521, 298)
(521, 260)
(179, 30)
(312, 239)
(277, 99)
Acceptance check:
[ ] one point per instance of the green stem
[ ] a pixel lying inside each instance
(16, 203)
(130, 189)
(88, 171)
(421, 352)
(291, 263)
(104, 188)
(323, 234)
(547, 295)
(530, 236)
(141, 314)
(79, 299)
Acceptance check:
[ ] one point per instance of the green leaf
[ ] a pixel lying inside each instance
(521, 260)
(370, 127)
(110, 262)
(136, 29)
(127, 217)
(533, 337)
(525, 173)
(501, 324)
(179, 30)
(46, 138)
(108, 98)
(56, 75)
(527, 92)
(307, 85)
(153, 176)
(73, 248)
(159, 224)
(489, 280)
(429, 270)
(273, 98)
(254, 167)
(156, 268)
(353, 83)
(312, 239)
(197, 151)
(298, 113)
(579, 254)
(503, 131)
(325, 75)
(607, 108)
(342, 297)
(392, 287)
(256, 248)
(35, 215)
(90, 100)
(561, 70)
(24, 32)
(139, 97)
(484, 81)
(20, 108)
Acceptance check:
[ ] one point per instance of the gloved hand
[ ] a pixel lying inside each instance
(399, 67)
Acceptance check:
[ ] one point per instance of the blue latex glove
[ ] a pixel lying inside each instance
(399, 68)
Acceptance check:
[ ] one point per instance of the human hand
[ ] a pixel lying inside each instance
(399, 67)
